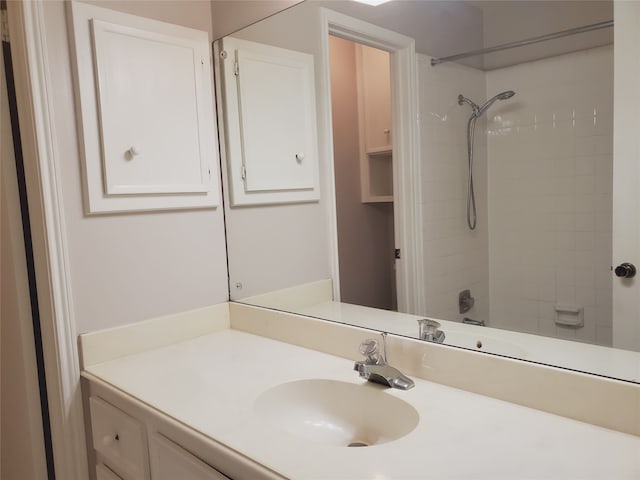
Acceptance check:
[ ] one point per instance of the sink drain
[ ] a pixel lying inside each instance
(357, 444)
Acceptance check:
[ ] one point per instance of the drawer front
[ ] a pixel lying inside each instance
(170, 461)
(120, 439)
(104, 473)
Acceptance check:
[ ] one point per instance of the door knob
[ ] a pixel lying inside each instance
(625, 270)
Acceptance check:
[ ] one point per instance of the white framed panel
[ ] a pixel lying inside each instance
(270, 118)
(139, 74)
(144, 95)
(276, 112)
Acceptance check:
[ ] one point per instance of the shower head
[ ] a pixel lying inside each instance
(506, 95)
(477, 110)
(501, 96)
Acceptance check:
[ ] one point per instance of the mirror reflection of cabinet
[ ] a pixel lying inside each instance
(374, 118)
(270, 141)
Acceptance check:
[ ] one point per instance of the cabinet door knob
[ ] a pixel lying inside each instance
(300, 156)
(132, 152)
(625, 270)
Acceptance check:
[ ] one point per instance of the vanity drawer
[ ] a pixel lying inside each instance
(104, 473)
(120, 439)
(169, 461)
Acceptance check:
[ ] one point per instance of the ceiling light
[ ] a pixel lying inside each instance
(373, 3)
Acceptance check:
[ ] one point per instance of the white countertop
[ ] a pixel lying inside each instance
(211, 383)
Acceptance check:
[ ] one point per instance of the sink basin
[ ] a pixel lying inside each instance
(337, 413)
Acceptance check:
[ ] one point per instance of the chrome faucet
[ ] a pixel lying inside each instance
(375, 368)
(430, 331)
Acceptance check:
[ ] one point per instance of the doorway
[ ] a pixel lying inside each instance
(407, 207)
(363, 173)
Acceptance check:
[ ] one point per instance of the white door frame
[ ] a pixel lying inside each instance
(406, 149)
(626, 173)
(26, 418)
(34, 97)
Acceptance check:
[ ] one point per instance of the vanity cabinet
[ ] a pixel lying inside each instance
(119, 440)
(132, 441)
(104, 473)
(374, 124)
(170, 462)
(123, 452)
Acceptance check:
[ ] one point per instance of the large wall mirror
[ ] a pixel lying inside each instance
(474, 190)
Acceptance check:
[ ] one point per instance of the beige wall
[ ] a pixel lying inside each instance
(365, 231)
(128, 267)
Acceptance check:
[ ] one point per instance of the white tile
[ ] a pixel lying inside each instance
(585, 184)
(585, 222)
(549, 186)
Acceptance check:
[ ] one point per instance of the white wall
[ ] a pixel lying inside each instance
(456, 258)
(128, 267)
(550, 202)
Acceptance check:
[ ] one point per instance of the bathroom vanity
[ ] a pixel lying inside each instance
(208, 395)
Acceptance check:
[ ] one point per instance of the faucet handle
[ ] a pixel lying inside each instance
(369, 348)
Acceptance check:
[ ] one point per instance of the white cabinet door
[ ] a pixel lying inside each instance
(147, 85)
(146, 106)
(119, 440)
(626, 174)
(270, 132)
(169, 461)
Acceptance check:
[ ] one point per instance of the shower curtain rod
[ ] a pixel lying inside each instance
(522, 43)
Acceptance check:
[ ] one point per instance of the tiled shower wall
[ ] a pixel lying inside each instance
(550, 194)
(455, 258)
(543, 175)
